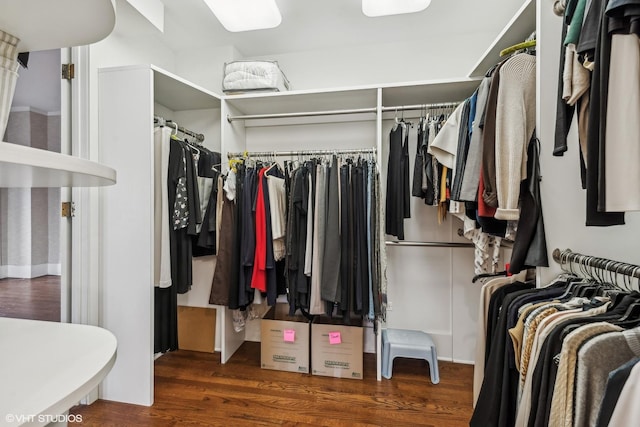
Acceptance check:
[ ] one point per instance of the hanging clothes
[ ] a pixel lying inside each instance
(319, 227)
(330, 284)
(162, 250)
(297, 280)
(205, 241)
(398, 203)
(471, 178)
(549, 351)
(530, 246)
(223, 276)
(595, 35)
(515, 122)
(330, 259)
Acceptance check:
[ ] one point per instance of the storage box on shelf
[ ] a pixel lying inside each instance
(248, 76)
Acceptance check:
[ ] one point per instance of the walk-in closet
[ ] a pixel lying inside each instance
(345, 214)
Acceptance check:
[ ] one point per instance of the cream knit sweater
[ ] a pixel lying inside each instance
(515, 123)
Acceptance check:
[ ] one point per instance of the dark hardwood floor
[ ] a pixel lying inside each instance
(194, 389)
(37, 299)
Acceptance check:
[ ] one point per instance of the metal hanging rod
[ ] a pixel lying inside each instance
(341, 112)
(161, 121)
(301, 153)
(429, 244)
(567, 258)
(302, 114)
(421, 106)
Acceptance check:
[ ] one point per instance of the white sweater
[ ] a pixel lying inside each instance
(515, 123)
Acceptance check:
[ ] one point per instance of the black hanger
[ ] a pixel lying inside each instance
(485, 275)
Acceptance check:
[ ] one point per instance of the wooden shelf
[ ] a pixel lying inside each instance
(517, 30)
(46, 24)
(48, 367)
(27, 167)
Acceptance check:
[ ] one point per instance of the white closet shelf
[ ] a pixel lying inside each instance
(172, 91)
(304, 100)
(46, 24)
(47, 367)
(516, 31)
(420, 92)
(179, 94)
(27, 167)
(428, 92)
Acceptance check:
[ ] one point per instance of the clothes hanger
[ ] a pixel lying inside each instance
(516, 48)
(174, 125)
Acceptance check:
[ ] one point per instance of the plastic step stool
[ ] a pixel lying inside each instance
(411, 344)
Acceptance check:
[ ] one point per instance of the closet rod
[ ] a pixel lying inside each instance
(341, 112)
(161, 121)
(421, 106)
(302, 114)
(567, 257)
(301, 153)
(429, 244)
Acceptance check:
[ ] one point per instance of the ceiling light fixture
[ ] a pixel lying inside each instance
(246, 15)
(374, 8)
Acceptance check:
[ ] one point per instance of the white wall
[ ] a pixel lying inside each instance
(204, 66)
(430, 289)
(563, 199)
(32, 240)
(38, 86)
(382, 63)
(346, 66)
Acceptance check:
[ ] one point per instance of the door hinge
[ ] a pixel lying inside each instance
(68, 71)
(68, 210)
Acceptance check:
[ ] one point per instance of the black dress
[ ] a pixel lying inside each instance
(398, 203)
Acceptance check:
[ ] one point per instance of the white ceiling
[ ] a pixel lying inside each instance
(314, 24)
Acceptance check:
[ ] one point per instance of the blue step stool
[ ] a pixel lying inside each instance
(411, 344)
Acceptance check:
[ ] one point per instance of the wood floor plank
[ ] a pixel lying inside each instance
(37, 299)
(195, 389)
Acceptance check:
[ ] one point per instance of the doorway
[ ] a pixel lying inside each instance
(30, 221)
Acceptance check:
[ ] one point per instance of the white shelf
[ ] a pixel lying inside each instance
(305, 100)
(46, 24)
(178, 94)
(31, 167)
(516, 31)
(421, 92)
(428, 92)
(48, 367)
(172, 91)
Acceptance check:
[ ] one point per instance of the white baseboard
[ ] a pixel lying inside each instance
(30, 271)
(464, 362)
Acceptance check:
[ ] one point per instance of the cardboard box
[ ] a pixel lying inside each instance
(197, 329)
(284, 341)
(336, 350)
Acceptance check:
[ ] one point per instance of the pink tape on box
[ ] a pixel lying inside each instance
(289, 335)
(335, 338)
